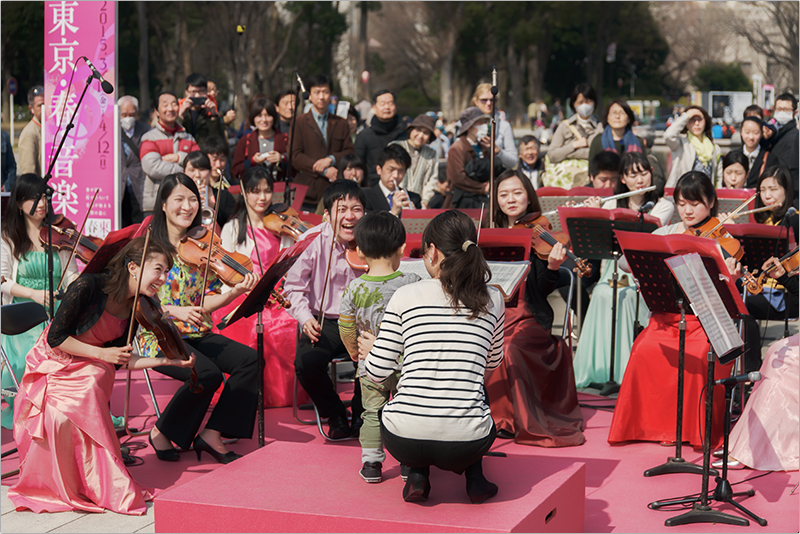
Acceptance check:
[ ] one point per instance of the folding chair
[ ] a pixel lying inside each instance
(15, 319)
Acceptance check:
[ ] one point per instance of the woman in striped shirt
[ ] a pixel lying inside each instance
(448, 330)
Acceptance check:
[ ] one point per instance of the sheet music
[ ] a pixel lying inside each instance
(506, 275)
(705, 301)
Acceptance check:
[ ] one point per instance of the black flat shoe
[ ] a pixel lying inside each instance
(479, 489)
(200, 445)
(417, 487)
(166, 455)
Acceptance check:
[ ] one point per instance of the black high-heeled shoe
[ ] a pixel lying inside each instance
(200, 445)
(166, 455)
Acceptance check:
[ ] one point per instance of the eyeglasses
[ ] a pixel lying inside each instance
(619, 114)
(484, 100)
(38, 91)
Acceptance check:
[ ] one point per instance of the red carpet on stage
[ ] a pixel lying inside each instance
(306, 475)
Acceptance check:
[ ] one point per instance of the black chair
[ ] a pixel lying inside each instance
(15, 319)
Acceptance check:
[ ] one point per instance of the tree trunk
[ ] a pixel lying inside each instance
(184, 49)
(144, 59)
(363, 50)
(516, 72)
(446, 86)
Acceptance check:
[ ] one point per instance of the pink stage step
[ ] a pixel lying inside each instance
(291, 487)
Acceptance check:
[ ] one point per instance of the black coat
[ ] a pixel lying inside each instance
(785, 152)
(377, 202)
(371, 142)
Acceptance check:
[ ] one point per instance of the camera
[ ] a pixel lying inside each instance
(198, 100)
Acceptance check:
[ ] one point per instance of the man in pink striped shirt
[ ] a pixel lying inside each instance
(306, 289)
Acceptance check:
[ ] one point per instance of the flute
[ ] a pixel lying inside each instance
(607, 199)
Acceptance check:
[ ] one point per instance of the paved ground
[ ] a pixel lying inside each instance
(28, 522)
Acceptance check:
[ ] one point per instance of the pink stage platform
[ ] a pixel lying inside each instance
(290, 487)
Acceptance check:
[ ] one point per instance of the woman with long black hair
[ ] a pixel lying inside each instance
(177, 210)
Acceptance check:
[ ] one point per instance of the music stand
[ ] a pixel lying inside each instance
(255, 302)
(643, 258)
(591, 231)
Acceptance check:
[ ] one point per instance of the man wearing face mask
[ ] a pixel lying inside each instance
(131, 175)
(785, 143)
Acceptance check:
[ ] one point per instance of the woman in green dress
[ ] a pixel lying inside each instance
(23, 267)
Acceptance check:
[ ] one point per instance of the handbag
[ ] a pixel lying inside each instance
(568, 173)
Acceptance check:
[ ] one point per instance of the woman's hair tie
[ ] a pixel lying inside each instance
(466, 245)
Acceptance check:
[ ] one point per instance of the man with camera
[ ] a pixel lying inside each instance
(198, 110)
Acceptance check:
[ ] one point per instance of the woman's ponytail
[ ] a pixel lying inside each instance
(464, 271)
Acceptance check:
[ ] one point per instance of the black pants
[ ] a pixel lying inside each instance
(235, 412)
(311, 367)
(760, 308)
(464, 200)
(455, 456)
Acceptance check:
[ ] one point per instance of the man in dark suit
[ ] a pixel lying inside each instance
(131, 174)
(320, 141)
(385, 195)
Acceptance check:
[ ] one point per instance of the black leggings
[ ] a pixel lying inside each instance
(235, 412)
(455, 456)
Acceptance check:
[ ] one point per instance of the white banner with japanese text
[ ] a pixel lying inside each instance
(75, 29)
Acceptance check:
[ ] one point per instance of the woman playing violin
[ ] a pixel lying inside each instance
(645, 408)
(23, 266)
(591, 358)
(241, 234)
(70, 456)
(532, 392)
(775, 189)
(177, 210)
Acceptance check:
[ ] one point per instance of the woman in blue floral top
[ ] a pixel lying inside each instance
(177, 210)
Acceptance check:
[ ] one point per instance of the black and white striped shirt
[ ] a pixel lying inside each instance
(444, 357)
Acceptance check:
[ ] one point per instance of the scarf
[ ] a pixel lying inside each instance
(629, 141)
(170, 131)
(704, 148)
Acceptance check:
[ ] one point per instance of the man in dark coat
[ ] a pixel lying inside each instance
(386, 195)
(785, 150)
(131, 174)
(320, 141)
(386, 126)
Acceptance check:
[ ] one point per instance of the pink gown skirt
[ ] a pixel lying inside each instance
(70, 456)
(767, 435)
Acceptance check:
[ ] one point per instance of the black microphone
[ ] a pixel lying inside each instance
(755, 376)
(791, 211)
(107, 87)
(302, 87)
(647, 207)
(494, 80)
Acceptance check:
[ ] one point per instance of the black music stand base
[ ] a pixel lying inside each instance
(705, 514)
(676, 465)
(607, 388)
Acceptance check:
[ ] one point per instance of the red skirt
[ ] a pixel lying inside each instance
(532, 393)
(647, 403)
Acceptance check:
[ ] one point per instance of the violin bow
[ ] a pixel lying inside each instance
(321, 320)
(252, 230)
(733, 213)
(138, 285)
(77, 241)
(211, 243)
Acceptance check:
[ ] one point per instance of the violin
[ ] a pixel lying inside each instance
(714, 229)
(544, 239)
(151, 317)
(281, 219)
(230, 267)
(351, 256)
(65, 235)
(789, 262)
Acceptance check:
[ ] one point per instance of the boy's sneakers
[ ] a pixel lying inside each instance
(371, 472)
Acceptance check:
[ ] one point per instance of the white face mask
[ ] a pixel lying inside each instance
(585, 110)
(127, 123)
(483, 131)
(783, 117)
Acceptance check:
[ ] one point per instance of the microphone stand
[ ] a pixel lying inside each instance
(46, 190)
(288, 192)
(492, 135)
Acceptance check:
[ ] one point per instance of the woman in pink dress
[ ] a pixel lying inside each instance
(280, 334)
(70, 456)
